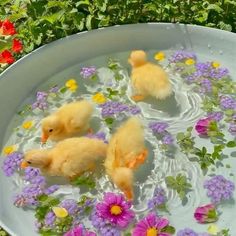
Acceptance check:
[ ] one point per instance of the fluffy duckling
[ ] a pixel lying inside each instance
(69, 158)
(69, 120)
(126, 152)
(147, 78)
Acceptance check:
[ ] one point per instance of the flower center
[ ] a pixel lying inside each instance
(152, 232)
(116, 210)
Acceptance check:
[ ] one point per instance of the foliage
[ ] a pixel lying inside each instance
(40, 22)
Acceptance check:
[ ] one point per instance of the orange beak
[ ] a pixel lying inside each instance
(24, 164)
(44, 138)
(129, 194)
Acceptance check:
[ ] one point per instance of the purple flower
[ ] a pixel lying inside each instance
(99, 135)
(206, 214)
(12, 163)
(51, 189)
(30, 173)
(116, 210)
(158, 127)
(112, 108)
(217, 116)
(70, 205)
(206, 86)
(227, 102)
(50, 219)
(219, 189)
(87, 72)
(232, 128)
(186, 232)
(180, 56)
(54, 89)
(41, 101)
(134, 110)
(167, 139)
(159, 199)
(151, 225)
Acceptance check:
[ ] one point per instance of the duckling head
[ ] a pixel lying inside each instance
(51, 125)
(137, 58)
(37, 158)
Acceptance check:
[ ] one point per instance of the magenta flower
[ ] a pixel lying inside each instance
(203, 125)
(79, 231)
(152, 225)
(115, 209)
(206, 214)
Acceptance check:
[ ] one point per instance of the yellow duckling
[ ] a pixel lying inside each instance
(148, 79)
(126, 152)
(69, 158)
(69, 120)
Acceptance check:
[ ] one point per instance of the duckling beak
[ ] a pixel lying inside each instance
(129, 195)
(24, 164)
(44, 138)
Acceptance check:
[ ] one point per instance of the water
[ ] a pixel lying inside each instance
(180, 111)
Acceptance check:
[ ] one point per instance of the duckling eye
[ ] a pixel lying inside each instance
(29, 162)
(50, 130)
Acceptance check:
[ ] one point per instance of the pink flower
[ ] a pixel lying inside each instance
(79, 231)
(152, 225)
(202, 126)
(115, 209)
(206, 214)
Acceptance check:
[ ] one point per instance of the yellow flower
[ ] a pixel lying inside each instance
(72, 85)
(60, 212)
(9, 149)
(99, 98)
(189, 62)
(213, 229)
(160, 56)
(215, 64)
(27, 124)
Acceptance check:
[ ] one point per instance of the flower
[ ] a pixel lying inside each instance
(219, 188)
(41, 101)
(17, 45)
(217, 116)
(87, 72)
(11, 163)
(51, 189)
(181, 55)
(151, 225)
(232, 128)
(158, 127)
(189, 62)
(70, 205)
(50, 219)
(9, 149)
(115, 209)
(134, 110)
(206, 86)
(213, 229)
(227, 102)
(206, 214)
(159, 199)
(31, 173)
(6, 57)
(79, 230)
(215, 64)
(99, 98)
(7, 28)
(60, 212)
(71, 85)
(187, 232)
(159, 56)
(167, 139)
(111, 108)
(202, 126)
(27, 124)
(99, 135)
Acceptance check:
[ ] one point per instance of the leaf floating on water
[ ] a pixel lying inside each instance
(84, 181)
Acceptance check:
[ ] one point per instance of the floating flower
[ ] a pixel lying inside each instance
(72, 85)
(158, 127)
(203, 125)
(116, 210)
(111, 108)
(217, 116)
(41, 101)
(182, 55)
(213, 229)
(215, 64)
(6, 57)
(7, 28)
(159, 199)
(232, 128)
(88, 72)
(60, 212)
(187, 232)
(70, 205)
(167, 139)
(27, 124)
(79, 230)
(99, 98)
(50, 219)
(219, 188)
(227, 102)
(99, 135)
(17, 46)
(189, 62)
(12, 163)
(9, 149)
(151, 225)
(159, 56)
(134, 110)
(206, 214)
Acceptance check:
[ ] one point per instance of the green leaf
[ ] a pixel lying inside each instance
(109, 121)
(53, 17)
(168, 229)
(231, 144)
(180, 136)
(84, 181)
(215, 7)
(63, 90)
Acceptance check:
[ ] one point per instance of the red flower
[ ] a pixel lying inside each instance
(16, 45)
(6, 57)
(7, 28)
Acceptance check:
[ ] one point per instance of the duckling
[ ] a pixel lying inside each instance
(126, 152)
(69, 120)
(147, 78)
(69, 158)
